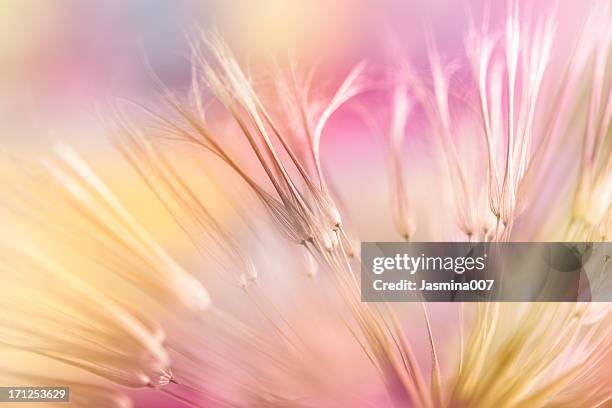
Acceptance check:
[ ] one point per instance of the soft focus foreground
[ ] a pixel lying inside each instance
(197, 243)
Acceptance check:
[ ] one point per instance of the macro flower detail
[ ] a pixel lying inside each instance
(211, 258)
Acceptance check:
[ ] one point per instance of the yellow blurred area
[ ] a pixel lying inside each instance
(28, 176)
(23, 24)
(306, 25)
(155, 218)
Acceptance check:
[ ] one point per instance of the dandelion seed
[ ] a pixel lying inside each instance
(78, 325)
(174, 282)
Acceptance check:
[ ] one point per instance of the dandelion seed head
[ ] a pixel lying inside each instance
(496, 135)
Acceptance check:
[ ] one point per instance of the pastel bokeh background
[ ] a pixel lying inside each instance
(62, 62)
